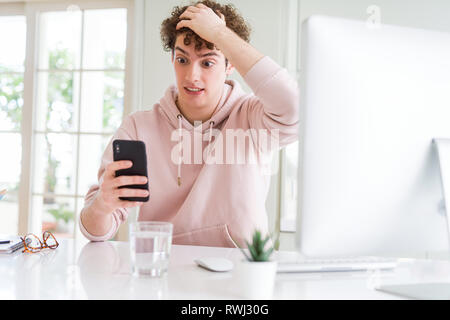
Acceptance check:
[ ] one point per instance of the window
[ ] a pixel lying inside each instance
(79, 104)
(289, 191)
(12, 59)
(290, 154)
(75, 74)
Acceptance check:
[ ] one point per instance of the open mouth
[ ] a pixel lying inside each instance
(193, 91)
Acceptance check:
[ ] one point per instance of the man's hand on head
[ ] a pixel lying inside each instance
(212, 27)
(203, 21)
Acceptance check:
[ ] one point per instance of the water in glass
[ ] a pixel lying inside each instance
(150, 252)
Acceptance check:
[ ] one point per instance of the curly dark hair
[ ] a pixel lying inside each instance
(233, 20)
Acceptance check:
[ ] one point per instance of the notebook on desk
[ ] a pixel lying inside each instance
(15, 243)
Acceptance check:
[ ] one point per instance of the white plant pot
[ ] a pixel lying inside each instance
(255, 280)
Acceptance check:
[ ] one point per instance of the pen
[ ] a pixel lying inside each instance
(4, 241)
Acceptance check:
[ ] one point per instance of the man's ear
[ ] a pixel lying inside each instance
(229, 69)
(172, 56)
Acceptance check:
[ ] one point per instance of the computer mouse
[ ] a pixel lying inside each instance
(215, 264)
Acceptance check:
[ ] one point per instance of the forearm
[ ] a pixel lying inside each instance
(275, 105)
(239, 53)
(96, 220)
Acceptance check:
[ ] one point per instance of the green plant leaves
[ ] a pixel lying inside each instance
(257, 247)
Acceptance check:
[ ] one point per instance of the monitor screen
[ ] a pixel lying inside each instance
(373, 100)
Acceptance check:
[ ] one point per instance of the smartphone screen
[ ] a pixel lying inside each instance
(134, 151)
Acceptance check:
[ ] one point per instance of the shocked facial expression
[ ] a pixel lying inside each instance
(200, 74)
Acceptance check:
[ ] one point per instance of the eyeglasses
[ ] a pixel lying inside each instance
(33, 244)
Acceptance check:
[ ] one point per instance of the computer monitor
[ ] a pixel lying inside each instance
(373, 98)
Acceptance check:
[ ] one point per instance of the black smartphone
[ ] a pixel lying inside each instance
(132, 150)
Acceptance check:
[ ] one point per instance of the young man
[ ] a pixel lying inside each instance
(210, 202)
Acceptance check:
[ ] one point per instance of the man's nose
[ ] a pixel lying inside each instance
(193, 73)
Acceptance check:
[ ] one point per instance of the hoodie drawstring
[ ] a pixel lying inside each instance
(179, 116)
(209, 146)
(211, 123)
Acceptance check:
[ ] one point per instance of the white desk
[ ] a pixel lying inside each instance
(81, 270)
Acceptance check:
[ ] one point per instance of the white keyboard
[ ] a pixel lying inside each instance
(336, 264)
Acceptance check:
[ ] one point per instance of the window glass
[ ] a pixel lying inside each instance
(79, 105)
(12, 59)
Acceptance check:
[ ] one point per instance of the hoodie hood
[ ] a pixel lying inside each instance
(231, 94)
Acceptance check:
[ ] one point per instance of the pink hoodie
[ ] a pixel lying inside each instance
(220, 199)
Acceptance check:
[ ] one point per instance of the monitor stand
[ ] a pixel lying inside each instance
(443, 151)
(437, 290)
(421, 291)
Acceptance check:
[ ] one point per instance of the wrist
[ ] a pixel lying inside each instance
(221, 33)
(95, 223)
(99, 208)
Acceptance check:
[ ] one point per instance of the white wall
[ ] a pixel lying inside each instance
(429, 14)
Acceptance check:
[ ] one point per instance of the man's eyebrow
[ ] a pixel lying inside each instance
(210, 54)
(183, 51)
(203, 55)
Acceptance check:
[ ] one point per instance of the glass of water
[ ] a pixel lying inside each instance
(150, 243)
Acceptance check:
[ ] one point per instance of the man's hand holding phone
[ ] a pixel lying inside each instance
(124, 184)
(114, 187)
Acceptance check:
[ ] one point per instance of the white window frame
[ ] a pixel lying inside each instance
(31, 10)
(291, 58)
(14, 9)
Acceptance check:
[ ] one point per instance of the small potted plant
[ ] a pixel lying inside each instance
(256, 273)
